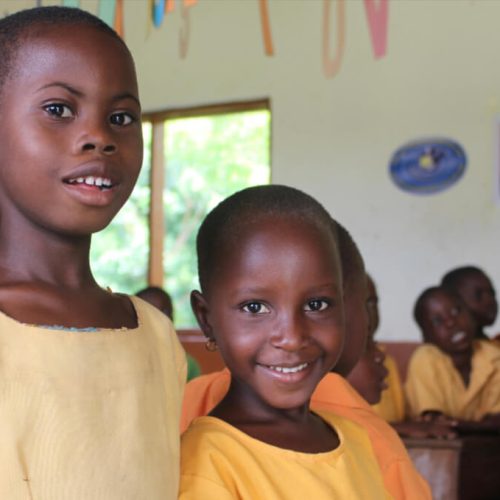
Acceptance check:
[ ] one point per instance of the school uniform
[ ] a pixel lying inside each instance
(336, 396)
(433, 383)
(220, 462)
(93, 413)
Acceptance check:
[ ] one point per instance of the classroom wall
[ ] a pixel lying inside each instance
(432, 71)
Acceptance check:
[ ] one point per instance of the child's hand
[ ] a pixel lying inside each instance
(440, 428)
(435, 416)
(492, 418)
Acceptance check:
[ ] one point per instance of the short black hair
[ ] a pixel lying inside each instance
(152, 289)
(455, 278)
(421, 302)
(17, 27)
(223, 223)
(350, 256)
(155, 291)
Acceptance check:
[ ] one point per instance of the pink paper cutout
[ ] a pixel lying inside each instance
(377, 23)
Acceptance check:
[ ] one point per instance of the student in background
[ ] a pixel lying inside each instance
(333, 393)
(476, 290)
(452, 374)
(369, 374)
(90, 380)
(160, 299)
(392, 404)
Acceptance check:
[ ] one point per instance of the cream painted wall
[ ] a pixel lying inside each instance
(333, 137)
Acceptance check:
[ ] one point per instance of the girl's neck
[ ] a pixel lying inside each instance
(52, 260)
(45, 279)
(296, 429)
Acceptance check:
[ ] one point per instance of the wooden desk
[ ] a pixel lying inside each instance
(465, 468)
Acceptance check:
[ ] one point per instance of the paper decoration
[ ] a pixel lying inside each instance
(266, 28)
(331, 65)
(428, 166)
(377, 24)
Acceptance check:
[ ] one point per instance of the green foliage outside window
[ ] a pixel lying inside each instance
(206, 159)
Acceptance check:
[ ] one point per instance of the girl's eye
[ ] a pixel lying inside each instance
(121, 119)
(437, 321)
(317, 305)
(255, 308)
(59, 110)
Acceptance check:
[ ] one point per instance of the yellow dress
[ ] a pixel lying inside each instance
(219, 462)
(333, 395)
(433, 383)
(91, 415)
(392, 404)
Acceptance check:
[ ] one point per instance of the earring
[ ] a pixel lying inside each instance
(211, 345)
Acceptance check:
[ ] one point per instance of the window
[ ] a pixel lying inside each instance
(193, 159)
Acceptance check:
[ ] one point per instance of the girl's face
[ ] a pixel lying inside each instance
(369, 374)
(70, 134)
(274, 307)
(479, 296)
(448, 323)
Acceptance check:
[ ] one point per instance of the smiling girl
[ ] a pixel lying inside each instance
(271, 299)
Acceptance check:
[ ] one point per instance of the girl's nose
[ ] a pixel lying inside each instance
(450, 321)
(378, 354)
(97, 137)
(291, 334)
(109, 148)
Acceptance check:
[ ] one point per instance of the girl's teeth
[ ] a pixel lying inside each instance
(292, 369)
(92, 181)
(458, 337)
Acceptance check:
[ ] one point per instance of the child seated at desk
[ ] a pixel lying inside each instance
(453, 375)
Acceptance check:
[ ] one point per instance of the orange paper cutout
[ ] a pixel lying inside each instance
(266, 28)
(332, 66)
(118, 24)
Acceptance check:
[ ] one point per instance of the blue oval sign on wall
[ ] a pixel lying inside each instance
(428, 166)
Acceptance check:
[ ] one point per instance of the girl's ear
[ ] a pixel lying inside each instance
(200, 309)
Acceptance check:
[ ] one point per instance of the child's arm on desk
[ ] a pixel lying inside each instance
(431, 424)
